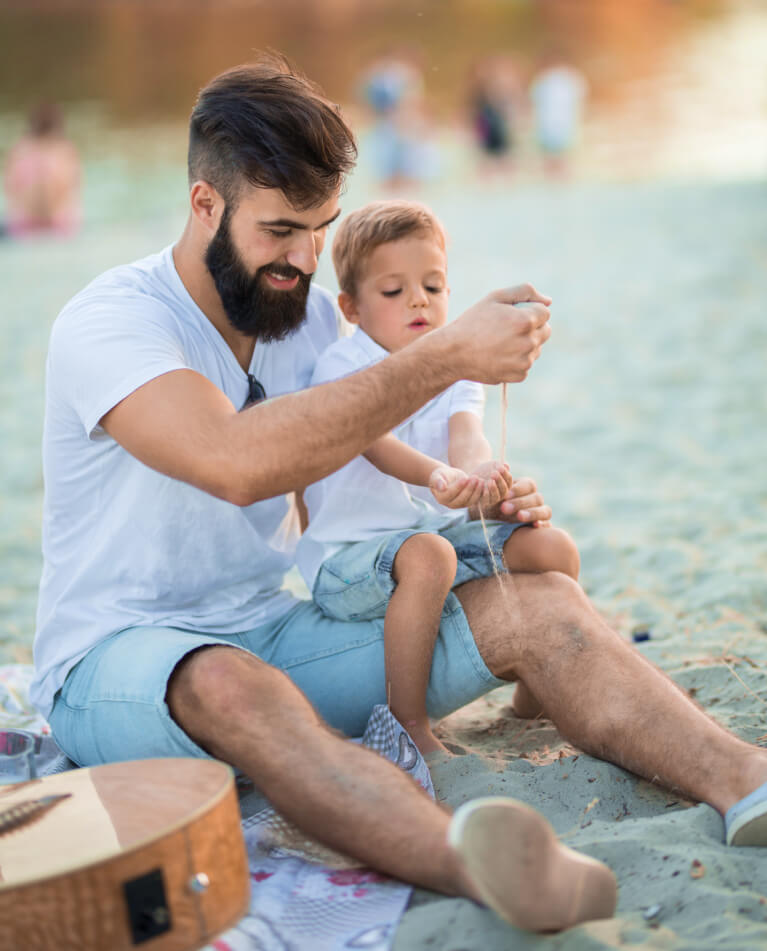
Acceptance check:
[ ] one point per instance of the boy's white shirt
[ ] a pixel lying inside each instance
(358, 502)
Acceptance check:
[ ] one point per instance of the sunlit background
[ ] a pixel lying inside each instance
(653, 243)
(676, 87)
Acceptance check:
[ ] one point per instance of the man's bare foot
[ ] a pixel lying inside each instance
(515, 864)
(525, 704)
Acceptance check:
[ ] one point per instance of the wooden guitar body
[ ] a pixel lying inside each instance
(145, 854)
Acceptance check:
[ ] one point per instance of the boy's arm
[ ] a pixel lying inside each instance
(470, 450)
(449, 485)
(395, 458)
(303, 511)
(467, 444)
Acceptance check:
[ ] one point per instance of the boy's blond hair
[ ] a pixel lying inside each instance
(377, 223)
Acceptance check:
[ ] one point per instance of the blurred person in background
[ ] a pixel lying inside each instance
(495, 98)
(42, 178)
(400, 144)
(557, 95)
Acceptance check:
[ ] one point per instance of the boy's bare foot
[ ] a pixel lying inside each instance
(515, 864)
(525, 704)
(421, 734)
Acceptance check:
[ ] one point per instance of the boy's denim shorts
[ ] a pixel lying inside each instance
(112, 705)
(356, 583)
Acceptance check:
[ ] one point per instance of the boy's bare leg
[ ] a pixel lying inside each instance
(525, 704)
(541, 549)
(537, 550)
(249, 714)
(602, 694)
(424, 569)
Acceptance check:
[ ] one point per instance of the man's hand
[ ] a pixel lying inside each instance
(524, 503)
(497, 341)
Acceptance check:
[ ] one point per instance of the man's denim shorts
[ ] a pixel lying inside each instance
(355, 584)
(112, 705)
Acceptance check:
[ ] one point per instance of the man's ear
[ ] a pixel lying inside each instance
(207, 205)
(348, 307)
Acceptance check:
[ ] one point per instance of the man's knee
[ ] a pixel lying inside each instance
(547, 588)
(216, 677)
(535, 615)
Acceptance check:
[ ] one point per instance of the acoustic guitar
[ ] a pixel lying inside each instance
(144, 854)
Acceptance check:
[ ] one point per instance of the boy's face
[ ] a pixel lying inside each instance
(402, 293)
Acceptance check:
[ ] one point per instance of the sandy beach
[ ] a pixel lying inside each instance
(644, 424)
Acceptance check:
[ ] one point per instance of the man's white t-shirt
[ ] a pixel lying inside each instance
(124, 545)
(358, 501)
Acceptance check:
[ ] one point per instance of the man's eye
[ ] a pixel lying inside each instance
(391, 293)
(278, 233)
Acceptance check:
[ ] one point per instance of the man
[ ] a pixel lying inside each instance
(162, 626)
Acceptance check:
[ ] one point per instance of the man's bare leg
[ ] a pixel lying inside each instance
(601, 693)
(531, 549)
(250, 715)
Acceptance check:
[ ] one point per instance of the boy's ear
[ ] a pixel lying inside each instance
(348, 307)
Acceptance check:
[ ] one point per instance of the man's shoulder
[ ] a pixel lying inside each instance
(145, 278)
(143, 287)
(146, 275)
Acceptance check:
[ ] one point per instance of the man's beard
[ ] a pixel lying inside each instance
(251, 306)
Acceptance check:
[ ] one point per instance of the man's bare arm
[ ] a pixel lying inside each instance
(181, 424)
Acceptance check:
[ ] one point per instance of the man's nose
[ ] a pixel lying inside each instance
(304, 253)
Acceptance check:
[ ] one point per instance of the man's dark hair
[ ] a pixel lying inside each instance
(267, 125)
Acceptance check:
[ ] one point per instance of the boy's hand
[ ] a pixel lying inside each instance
(497, 482)
(454, 488)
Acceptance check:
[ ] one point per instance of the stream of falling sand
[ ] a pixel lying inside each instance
(512, 609)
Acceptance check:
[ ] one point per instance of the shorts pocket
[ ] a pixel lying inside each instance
(350, 599)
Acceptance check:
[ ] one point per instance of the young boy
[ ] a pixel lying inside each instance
(389, 534)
